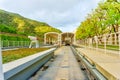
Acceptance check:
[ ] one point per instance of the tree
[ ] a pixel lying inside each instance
(104, 19)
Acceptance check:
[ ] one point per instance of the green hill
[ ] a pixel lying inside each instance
(17, 24)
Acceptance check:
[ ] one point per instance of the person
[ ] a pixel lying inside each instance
(34, 40)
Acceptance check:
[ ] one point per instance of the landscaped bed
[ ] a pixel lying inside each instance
(11, 55)
(110, 47)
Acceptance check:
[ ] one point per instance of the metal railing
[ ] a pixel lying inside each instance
(106, 41)
(14, 44)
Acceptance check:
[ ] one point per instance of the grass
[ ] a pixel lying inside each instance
(11, 55)
(109, 47)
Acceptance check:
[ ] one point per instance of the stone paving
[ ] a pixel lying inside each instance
(106, 62)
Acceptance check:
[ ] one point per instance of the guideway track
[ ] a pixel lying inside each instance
(64, 67)
(90, 69)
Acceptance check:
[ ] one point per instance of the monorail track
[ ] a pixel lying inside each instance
(64, 67)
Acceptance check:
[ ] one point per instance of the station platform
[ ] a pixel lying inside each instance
(107, 62)
(64, 67)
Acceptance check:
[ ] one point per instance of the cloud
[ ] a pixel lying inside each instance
(63, 14)
(69, 27)
(35, 5)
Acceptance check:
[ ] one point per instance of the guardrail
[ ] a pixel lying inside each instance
(90, 67)
(22, 69)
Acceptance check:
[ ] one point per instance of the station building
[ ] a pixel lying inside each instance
(52, 38)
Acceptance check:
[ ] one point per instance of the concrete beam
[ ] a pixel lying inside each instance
(23, 68)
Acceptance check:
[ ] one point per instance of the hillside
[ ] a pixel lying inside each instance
(17, 24)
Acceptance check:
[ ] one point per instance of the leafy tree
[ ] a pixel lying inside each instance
(104, 19)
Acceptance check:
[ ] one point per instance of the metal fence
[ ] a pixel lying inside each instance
(14, 44)
(106, 41)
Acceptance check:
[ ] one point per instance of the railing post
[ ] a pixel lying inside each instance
(8, 44)
(90, 42)
(119, 42)
(110, 39)
(1, 44)
(96, 41)
(27, 43)
(24, 43)
(13, 43)
(17, 43)
(115, 38)
(104, 41)
(119, 39)
(85, 43)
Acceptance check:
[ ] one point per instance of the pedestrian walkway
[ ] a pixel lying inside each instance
(106, 62)
(64, 67)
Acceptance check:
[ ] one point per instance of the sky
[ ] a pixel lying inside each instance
(65, 15)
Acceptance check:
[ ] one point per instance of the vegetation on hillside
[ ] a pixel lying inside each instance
(13, 38)
(104, 19)
(16, 24)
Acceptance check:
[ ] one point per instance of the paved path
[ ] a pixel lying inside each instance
(107, 63)
(65, 67)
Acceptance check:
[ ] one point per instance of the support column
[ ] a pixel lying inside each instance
(49, 40)
(60, 39)
(74, 39)
(44, 38)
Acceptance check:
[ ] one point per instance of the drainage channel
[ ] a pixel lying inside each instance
(63, 67)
